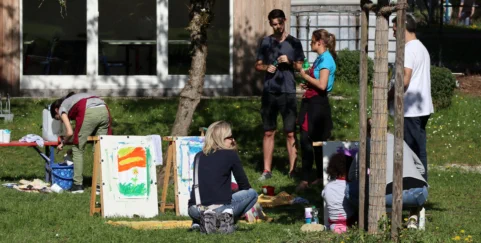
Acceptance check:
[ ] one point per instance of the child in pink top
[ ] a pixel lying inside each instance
(338, 208)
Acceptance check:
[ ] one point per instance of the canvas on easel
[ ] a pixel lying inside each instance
(186, 149)
(129, 185)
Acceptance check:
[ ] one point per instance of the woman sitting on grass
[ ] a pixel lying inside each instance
(338, 208)
(218, 160)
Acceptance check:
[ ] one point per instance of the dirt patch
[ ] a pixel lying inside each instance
(470, 84)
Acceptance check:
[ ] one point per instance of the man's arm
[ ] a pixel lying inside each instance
(261, 67)
(298, 65)
(407, 77)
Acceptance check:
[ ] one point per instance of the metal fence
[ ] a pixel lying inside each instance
(344, 24)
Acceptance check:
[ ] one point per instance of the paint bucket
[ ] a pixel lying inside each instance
(268, 190)
(56, 188)
(308, 215)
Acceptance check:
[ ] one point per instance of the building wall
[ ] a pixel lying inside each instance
(250, 25)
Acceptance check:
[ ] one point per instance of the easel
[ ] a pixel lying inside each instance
(171, 162)
(97, 171)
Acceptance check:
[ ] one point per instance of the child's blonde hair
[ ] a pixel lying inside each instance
(215, 136)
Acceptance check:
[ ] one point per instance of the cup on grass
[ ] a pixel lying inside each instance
(56, 188)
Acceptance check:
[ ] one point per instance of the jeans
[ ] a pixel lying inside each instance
(413, 197)
(242, 201)
(415, 138)
(465, 19)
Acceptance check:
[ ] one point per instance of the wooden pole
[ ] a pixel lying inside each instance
(377, 178)
(399, 122)
(363, 73)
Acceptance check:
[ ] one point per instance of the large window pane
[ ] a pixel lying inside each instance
(127, 37)
(218, 61)
(54, 43)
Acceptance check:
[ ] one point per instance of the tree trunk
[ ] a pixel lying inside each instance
(377, 178)
(362, 114)
(200, 19)
(396, 222)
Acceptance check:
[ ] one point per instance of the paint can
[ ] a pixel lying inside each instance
(268, 190)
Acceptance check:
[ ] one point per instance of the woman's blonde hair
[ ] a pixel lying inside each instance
(215, 135)
(328, 39)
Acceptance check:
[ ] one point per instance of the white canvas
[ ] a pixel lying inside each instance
(129, 179)
(186, 149)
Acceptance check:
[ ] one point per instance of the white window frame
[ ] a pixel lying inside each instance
(93, 81)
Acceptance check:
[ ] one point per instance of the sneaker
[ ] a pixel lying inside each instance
(227, 222)
(265, 175)
(292, 174)
(208, 222)
(77, 189)
(195, 227)
(413, 222)
(97, 190)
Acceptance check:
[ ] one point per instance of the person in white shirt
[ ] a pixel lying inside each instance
(418, 104)
(339, 211)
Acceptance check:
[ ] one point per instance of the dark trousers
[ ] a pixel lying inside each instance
(309, 154)
(415, 137)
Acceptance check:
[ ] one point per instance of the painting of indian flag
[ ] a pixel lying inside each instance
(129, 182)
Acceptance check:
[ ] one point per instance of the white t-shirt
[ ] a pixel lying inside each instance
(417, 98)
(338, 208)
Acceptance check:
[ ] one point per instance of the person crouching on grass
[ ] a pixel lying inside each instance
(92, 118)
(338, 207)
(217, 162)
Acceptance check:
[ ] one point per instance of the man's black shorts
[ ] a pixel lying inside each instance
(275, 103)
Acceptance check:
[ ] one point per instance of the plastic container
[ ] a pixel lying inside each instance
(5, 136)
(62, 175)
(51, 128)
(308, 215)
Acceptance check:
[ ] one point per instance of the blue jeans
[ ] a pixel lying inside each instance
(415, 138)
(414, 197)
(465, 20)
(242, 201)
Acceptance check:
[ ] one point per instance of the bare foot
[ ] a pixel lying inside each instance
(302, 186)
(317, 182)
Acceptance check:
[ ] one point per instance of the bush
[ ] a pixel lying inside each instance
(443, 84)
(348, 67)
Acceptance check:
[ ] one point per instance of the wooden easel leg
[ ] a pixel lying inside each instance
(97, 172)
(165, 186)
(176, 187)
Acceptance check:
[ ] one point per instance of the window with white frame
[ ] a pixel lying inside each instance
(117, 44)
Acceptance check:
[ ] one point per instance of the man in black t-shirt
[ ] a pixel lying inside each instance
(466, 11)
(278, 55)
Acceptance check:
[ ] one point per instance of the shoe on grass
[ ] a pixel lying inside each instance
(413, 222)
(208, 223)
(76, 189)
(227, 222)
(265, 175)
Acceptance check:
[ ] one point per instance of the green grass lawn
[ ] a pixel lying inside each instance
(453, 204)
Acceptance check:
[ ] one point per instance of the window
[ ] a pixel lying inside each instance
(52, 44)
(179, 39)
(127, 40)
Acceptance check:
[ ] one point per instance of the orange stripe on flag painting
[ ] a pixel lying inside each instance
(131, 157)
